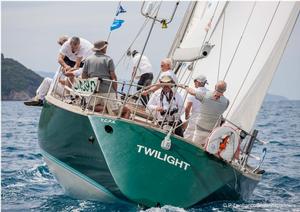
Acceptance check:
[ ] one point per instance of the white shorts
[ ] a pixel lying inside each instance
(200, 136)
(110, 99)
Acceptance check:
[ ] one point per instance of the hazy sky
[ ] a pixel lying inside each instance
(30, 30)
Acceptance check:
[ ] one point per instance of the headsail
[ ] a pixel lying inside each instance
(249, 39)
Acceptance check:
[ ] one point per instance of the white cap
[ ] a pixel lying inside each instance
(201, 78)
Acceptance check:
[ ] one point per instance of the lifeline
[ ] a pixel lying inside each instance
(167, 158)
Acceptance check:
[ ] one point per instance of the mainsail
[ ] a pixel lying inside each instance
(249, 39)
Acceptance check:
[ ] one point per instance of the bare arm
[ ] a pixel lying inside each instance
(188, 109)
(150, 90)
(62, 62)
(190, 91)
(84, 74)
(154, 104)
(113, 76)
(200, 96)
(77, 64)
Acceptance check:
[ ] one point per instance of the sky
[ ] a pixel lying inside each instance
(29, 31)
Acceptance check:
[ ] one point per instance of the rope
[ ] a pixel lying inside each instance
(238, 45)
(253, 59)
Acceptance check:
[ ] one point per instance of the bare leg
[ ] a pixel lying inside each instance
(126, 113)
(99, 108)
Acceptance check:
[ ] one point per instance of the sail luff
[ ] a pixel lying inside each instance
(261, 58)
(263, 81)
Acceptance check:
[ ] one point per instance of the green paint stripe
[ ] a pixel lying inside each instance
(82, 176)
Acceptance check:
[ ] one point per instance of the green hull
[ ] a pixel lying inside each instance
(149, 175)
(67, 139)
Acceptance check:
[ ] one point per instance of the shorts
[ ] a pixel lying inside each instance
(71, 63)
(200, 136)
(110, 99)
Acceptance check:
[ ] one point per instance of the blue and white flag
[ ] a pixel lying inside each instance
(116, 24)
(120, 10)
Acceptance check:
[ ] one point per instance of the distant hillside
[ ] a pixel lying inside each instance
(274, 98)
(17, 82)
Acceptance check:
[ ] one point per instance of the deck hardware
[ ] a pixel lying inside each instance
(166, 143)
(91, 139)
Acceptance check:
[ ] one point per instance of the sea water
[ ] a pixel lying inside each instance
(27, 184)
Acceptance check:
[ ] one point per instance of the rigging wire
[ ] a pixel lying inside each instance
(210, 21)
(195, 63)
(138, 63)
(133, 41)
(218, 21)
(136, 37)
(190, 74)
(238, 45)
(258, 50)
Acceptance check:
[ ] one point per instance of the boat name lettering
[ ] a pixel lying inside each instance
(107, 120)
(163, 157)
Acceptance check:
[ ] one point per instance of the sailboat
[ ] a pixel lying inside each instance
(95, 155)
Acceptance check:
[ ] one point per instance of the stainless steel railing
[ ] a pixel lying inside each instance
(87, 103)
(140, 113)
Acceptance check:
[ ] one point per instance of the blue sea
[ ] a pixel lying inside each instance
(27, 184)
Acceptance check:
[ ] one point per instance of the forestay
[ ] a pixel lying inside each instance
(249, 39)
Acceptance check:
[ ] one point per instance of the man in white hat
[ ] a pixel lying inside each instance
(193, 105)
(167, 106)
(102, 66)
(213, 104)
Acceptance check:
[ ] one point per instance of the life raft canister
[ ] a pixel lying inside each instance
(223, 141)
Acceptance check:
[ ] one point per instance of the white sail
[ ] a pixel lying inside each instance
(252, 38)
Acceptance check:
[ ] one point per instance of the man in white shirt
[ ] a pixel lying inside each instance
(71, 58)
(144, 73)
(193, 105)
(167, 106)
(213, 104)
(73, 52)
(44, 87)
